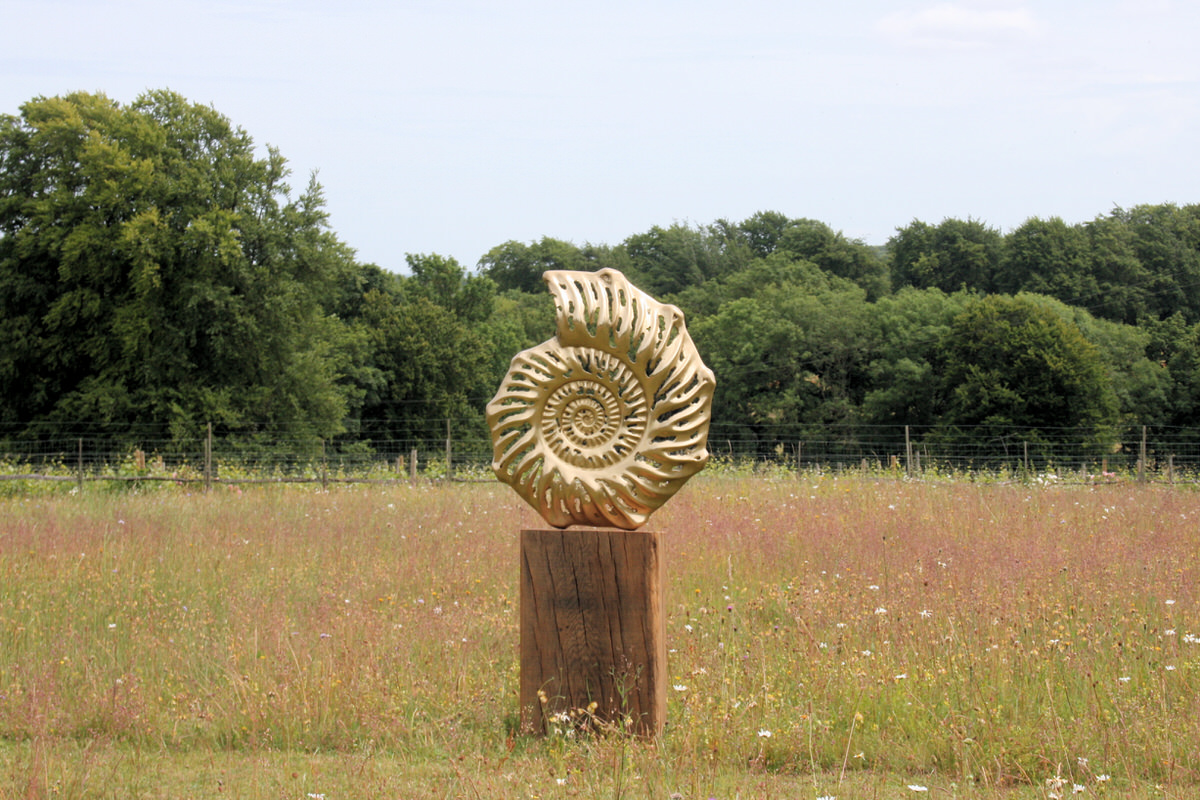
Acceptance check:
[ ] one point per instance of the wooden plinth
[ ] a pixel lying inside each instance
(592, 628)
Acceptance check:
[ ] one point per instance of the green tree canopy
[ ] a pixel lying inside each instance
(667, 260)
(444, 282)
(1048, 256)
(153, 268)
(433, 366)
(906, 355)
(952, 255)
(788, 359)
(1013, 362)
(514, 265)
(772, 273)
(430, 339)
(1166, 243)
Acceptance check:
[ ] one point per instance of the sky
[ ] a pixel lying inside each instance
(452, 126)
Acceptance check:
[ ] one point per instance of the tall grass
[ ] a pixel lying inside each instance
(825, 633)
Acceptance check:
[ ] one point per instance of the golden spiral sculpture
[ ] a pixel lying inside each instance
(603, 423)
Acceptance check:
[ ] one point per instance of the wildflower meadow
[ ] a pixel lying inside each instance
(830, 636)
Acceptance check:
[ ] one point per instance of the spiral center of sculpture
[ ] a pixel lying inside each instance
(592, 424)
(587, 419)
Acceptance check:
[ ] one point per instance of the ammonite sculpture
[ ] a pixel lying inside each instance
(603, 423)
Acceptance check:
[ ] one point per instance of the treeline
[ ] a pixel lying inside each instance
(956, 329)
(154, 269)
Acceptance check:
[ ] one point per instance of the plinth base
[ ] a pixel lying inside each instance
(593, 638)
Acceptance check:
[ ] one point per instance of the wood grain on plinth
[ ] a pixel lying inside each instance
(592, 628)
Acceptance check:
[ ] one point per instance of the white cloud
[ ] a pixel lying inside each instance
(950, 25)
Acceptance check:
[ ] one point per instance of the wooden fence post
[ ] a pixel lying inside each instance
(1142, 457)
(324, 468)
(592, 630)
(208, 459)
(908, 453)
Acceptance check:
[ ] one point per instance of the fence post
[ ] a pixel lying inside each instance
(799, 457)
(1142, 457)
(412, 465)
(908, 453)
(324, 468)
(449, 454)
(1171, 469)
(208, 459)
(80, 466)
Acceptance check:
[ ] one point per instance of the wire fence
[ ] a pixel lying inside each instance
(461, 449)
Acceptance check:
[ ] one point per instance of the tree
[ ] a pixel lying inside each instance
(514, 265)
(764, 231)
(667, 260)
(1048, 257)
(789, 361)
(1174, 347)
(833, 252)
(768, 233)
(908, 329)
(1166, 241)
(433, 365)
(1141, 386)
(1013, 363)
(1120, 277)
(762, 275)
(432, 342)
(519, 321)
(153, 269)
(444, 282)
(955, 254)
(1185, 376)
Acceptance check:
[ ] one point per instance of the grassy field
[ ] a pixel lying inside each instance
(829, 637)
